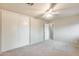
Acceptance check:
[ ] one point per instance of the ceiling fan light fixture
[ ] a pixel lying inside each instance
(48, 16)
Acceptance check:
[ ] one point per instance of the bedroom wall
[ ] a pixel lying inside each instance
(37, 33)
(0, 29)
(67, 28)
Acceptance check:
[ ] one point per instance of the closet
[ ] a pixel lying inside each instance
(18, 30)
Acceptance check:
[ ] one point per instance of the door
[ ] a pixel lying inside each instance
(49, 31)
(47, 36)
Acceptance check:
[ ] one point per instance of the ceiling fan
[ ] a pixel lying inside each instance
(49, 12)
(30, 4)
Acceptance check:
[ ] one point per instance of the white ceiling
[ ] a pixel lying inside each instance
(60, 6)
(35, 10)
(64, 9)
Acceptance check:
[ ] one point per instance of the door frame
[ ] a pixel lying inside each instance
(53, 30)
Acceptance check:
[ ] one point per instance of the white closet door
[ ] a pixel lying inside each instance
(23, 30)
(15, 30)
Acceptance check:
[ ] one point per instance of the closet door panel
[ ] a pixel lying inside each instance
(15, 30)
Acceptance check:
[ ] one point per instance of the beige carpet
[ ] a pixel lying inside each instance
(47, 48)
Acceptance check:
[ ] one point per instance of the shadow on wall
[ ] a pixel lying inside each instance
(68, 33)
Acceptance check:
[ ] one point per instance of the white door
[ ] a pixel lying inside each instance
(47, 36)
(49, 31)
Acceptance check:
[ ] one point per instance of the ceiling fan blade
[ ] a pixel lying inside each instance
(51, 6)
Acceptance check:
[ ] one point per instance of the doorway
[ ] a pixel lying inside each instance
(49, 31)
(46, 29)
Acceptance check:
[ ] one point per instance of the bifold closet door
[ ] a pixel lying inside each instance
(23, 30)
(15, 30)
(36, 30)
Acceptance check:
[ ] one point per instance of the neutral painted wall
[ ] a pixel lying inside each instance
(15, 30)
(67, 28)
(0, 28)
(37, 33)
